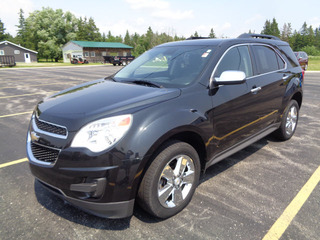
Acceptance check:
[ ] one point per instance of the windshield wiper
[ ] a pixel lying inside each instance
(110, 78)
(146, 83)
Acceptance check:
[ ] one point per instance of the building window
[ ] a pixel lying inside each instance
(16, 52)
(1, 52)
(104, 53)
(86, 54)
(92, 54)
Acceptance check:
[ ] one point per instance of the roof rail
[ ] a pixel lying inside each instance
(249, 35)
(193, 38)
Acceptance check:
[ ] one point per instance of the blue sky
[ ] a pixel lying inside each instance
(228, 18)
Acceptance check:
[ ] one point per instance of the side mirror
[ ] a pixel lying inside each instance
(230, 78)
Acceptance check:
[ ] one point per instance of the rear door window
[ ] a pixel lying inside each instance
(281, 63)
(267, 59)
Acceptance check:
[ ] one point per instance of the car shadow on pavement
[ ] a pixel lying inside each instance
(228, 162)
(63, 209)
(211, 172)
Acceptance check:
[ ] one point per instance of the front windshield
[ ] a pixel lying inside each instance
(174, 66)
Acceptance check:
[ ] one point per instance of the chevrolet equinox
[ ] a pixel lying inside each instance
(146, 133)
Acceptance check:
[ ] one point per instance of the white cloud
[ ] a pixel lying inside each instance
(9, 13)
(173, 15)
(225, 26)
(140, 4)
(160, 9)
(120, 27)
(140, 21)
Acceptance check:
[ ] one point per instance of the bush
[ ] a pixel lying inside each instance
(311, 50)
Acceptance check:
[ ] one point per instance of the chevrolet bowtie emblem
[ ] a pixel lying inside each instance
(34, 137)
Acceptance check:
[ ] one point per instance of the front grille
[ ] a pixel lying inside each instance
(43, 153)
(51, 128)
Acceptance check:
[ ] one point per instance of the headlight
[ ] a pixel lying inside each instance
(102, 134)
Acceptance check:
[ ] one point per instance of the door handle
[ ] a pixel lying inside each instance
(255, 89)
(285, 77)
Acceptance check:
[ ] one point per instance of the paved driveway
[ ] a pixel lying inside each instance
(238, 198)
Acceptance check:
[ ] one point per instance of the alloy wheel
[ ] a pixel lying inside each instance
(176, 181)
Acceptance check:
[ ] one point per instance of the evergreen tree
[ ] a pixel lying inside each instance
(81, 34)
(87, 30)
(310, 38)
(212, 34)
(2, 31)
(127, 39)
(104, 38)
(317, 38)
(149, 41)
(92, 31)
(21, 34)
(267, 28)
(304, 29)
(297, 42)
(274, 28)
(110, 37)
(271, 28)
(286, 32)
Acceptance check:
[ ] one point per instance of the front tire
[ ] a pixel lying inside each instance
(289, 121)
(169, 183)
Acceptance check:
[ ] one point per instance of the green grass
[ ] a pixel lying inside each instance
(52, 64)
(314, 63)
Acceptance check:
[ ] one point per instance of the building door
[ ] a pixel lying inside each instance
(27, 58)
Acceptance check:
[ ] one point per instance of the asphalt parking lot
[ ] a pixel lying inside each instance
(241, 197)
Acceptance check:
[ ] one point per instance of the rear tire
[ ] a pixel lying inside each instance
(169, 183)
(289, 121)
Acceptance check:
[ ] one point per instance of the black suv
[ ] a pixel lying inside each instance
(147, 132)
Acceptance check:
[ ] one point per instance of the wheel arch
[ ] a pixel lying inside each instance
(184, 134)
(181, 134)
(298, 97)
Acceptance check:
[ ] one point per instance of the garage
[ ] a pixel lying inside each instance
(94, 51)
(20, 53)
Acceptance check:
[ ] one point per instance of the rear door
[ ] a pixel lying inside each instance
(268, 84)
(243, 110)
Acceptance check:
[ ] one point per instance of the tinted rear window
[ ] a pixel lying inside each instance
(266, 59)
(281, 63)
(288, 54)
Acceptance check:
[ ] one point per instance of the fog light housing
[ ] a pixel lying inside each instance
(93, 187)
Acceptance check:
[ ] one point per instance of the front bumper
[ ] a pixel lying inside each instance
(106, 210)
(103, 184)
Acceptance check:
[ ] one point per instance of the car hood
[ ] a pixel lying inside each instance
(74, 107)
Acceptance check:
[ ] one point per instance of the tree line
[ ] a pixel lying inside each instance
(47, 30)
(306, 39)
